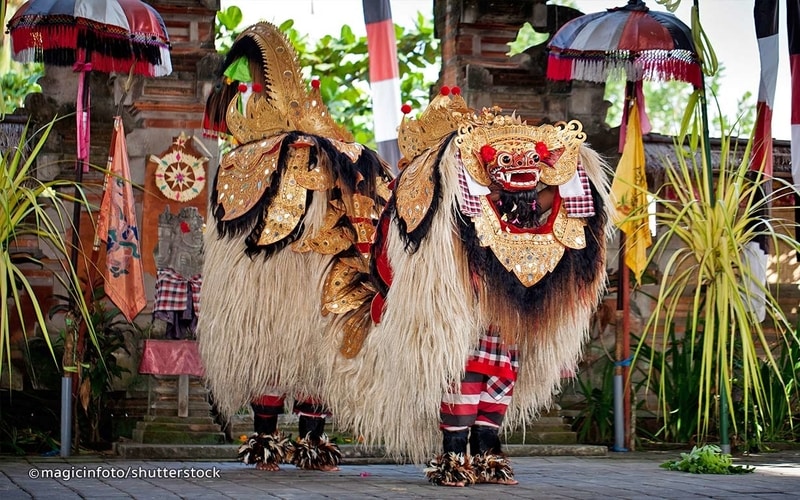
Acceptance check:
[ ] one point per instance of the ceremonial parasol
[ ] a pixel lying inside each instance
(125, 36)
(638, 44)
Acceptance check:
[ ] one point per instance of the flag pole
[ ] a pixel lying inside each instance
(384, 77)
(622, 401)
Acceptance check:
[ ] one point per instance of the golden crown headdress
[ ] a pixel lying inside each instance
(282, 103)
(448, 112)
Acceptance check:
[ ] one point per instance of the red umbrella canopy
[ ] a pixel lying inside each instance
(112, 35)
(632, 41)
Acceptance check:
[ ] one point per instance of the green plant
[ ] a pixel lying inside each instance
(594, 423)
(32, 208)
(705, 228)
(680, 366)
(783, 399)
(707, 459)
(18, 84)
(23, 440)
(99, 368)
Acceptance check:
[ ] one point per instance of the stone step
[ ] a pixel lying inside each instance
(173, 412)
(173, 404)
(566, 437)
(193, 390)
(148, 436)
(177, 427)
(172, 419)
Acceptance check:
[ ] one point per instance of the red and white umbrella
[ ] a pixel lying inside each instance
(632, 41)
(111, 35)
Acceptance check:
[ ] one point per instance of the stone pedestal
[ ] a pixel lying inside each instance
(178, 407)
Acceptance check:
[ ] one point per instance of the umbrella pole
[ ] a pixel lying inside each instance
(622, 397)
(621, 419)
(70, 382)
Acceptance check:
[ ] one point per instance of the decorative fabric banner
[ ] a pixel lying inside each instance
(629, 189)
(793, 24)
(384, 78)
(765, 13)
(116, 226)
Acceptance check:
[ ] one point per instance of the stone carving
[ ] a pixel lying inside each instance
(179, 262)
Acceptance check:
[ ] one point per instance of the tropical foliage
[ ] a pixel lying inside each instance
(707, 459)
(32, 208)
(705, 228)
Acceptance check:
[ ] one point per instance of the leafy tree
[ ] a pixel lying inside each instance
(666, 102)
(18, 79)
(341, 63)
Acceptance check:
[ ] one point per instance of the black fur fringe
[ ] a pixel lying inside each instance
(310, 454)
(265, 448)
(576, 269)
(491, 468)
(451, 468)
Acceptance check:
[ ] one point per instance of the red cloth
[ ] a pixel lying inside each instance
(171, 357)
(117, 227)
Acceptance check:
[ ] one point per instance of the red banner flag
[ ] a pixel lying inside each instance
(384, 77)
(765, 14)
(793, 25)
(117, 227)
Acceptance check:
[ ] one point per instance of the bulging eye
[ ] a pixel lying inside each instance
(504, 159)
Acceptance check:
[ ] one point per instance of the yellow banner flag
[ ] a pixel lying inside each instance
(629, 190)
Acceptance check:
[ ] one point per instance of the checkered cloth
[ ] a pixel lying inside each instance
(499, 361)
(470, 204)
(582, 205)
(173, 291)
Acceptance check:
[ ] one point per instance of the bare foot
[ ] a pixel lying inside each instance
(507, 482)
(328, 468)
(456, 484)
(267, 467)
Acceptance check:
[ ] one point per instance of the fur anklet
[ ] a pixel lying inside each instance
(490, 468)
(270, 449)
(311, 454)
(450, 469)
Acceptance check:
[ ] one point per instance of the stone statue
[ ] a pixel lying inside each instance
(179, 262)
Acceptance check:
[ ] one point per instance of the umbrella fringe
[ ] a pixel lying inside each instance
(598, 71)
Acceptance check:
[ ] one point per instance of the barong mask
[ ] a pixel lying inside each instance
(503, 155)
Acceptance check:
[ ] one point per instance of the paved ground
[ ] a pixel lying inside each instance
(634, 475)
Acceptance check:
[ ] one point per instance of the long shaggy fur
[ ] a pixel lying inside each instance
(419, 348)
(263, 309)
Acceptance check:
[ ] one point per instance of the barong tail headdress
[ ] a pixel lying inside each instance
(265, 67)
(286, 144)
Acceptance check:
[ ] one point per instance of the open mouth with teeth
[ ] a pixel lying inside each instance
(516, 179)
